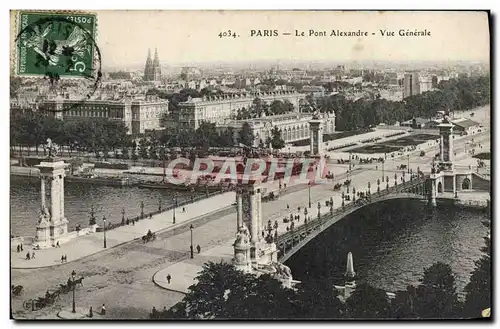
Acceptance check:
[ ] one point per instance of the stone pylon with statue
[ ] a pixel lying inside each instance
(254, 252)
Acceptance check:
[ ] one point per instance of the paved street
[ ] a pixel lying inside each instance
(122, 277)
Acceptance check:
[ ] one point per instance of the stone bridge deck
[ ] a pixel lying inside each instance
(290, 242)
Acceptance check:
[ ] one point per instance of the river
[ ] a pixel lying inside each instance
(392, 243)
(78, 198)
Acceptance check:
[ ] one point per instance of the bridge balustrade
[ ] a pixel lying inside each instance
(300, 233)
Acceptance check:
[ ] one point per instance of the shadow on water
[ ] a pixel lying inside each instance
(392, 242)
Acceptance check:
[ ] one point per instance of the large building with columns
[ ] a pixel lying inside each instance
(293, 126)
(138, 115)
(218, 109)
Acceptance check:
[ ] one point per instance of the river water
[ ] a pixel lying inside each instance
(107, 200)
(392, 242)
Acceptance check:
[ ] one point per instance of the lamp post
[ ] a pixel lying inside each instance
(175, 206)
(369, 185)
(191, 229)
(159, 204)
(319, 210)
(104, 221)
(142, 209)
(383, 170)
(408, 163)
(123, 215)
(73, 274)
(378, 185)
(309, 185)
(387, 180)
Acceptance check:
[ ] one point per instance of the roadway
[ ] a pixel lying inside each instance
(122, 277)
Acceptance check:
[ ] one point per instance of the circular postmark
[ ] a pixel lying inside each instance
(60, 48)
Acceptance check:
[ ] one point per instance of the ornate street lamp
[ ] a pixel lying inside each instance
(191, 247)
(123, 216)
(408, 163)
(104, 221)
(92, 220)
(383, 171)
(309, 185)
(369, 185)
(159, 204)
(378, 185)
(73, 274)
(319, 210)
(175, 206)
(142, 209)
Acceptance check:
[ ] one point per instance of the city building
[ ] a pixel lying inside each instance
(152, 70)
(415, 83)
(217, 109)
(293, 126)
(138, 115)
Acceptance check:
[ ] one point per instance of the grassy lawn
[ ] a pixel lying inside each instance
(410, 140)
(483, 156)
(377, 148)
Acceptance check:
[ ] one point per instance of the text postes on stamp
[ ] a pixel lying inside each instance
(56, 45)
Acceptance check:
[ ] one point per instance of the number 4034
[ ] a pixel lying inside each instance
(228, 34)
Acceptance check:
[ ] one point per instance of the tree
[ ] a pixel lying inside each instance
(479, 287)
(246, 136)
(223, 292)
(315, 299)
(367, 302)
(143, 148)
(277, 141)
(436, 296)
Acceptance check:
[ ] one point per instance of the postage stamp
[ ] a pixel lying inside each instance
(56, 44)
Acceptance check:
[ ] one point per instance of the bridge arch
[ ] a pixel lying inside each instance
(466, 184)
(440, 187)
(291, 242)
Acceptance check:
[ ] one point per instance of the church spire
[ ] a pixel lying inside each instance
(156, 61)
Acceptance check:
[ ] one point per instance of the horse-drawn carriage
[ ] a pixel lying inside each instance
(150, 236)
(41, 302)
(16, 290)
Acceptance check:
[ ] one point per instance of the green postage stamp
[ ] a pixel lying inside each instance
(56, 44)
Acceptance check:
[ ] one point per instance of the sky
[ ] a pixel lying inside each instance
(193, 36)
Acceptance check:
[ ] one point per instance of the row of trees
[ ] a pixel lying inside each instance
(222, 292)
(453, 95)
(32, 129)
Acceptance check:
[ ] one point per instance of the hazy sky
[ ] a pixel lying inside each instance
(192, 36)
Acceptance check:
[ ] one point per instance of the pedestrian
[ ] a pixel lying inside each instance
(62, 258)
(22, 247)
(153, 312)
(32, 255)
(103, 310)
(28, 256)
(198, 248)
(169, 278)
(150, 216)
(287, 206)
(18, 248)
(91, 312)
(57, 245)
(127, 221)
(183, 209)
(133, 222)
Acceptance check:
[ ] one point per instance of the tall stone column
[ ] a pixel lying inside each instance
(254, 208)
(42, 192)
(54, 200)
(316, 138)
(239, 210)
(61, 197)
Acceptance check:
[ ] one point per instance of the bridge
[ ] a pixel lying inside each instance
(290, 242)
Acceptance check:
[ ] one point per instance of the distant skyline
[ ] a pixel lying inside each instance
(124, 37)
